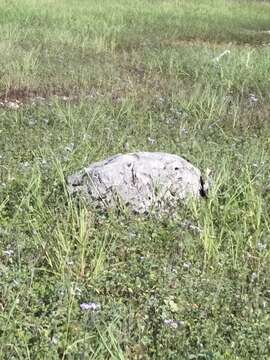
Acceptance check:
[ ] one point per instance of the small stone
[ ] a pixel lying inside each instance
(12, 105)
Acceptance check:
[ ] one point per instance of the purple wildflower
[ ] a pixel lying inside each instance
(171, 323)
(89, 306)
(174, 324)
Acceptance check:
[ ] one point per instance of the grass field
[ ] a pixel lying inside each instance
(82, 80)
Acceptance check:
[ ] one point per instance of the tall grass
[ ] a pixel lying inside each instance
(126, 76)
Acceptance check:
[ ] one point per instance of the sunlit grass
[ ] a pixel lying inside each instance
(128, 76)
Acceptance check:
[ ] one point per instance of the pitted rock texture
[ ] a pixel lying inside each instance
(143, 181)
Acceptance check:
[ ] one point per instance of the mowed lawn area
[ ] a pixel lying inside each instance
(81, 80)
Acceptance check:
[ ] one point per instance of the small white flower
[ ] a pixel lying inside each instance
(253, 98)
(183, 131)
(187, 265)
(69, 147)
(261, 246)
(8, 253)
(253, 276)
(25, 164)
(151, 140)
(32, 122)
(78, 291)
(54, 340)
(161, 99)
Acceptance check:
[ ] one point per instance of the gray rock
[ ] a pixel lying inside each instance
(143, 181)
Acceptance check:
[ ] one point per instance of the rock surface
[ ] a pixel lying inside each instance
(142, 181)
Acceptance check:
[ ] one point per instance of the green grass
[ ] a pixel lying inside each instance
(134, 70)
